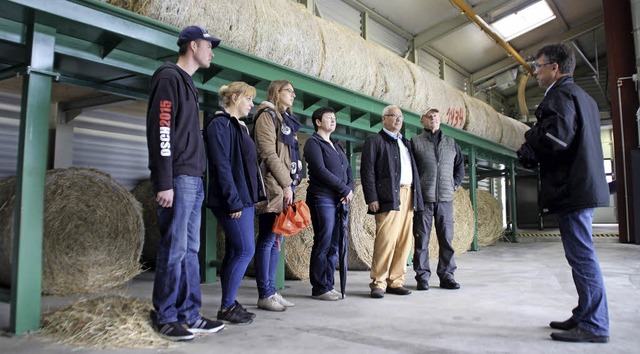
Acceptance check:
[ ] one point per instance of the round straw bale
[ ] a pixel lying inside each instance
(394, 81)
(513, 133)
(463, 225)
(346, 60)
(93, 232)
(143, 192)
(422, 90)
(106, 322)
(292, 39)
(362, 231)
(297, 254)
(482, 120)
(489, 219)
(448, 100)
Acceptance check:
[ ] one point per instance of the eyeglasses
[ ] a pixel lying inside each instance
(331, 118)
(291, 91)
(395, 116)
(535, 66)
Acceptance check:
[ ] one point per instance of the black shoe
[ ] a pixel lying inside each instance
(251, 315)
(234, 315)
(171, 331)
(449, 283)
(205, 325)
(564, 325)
(422, 285)
(578, 334)
(401, 290)
(377, 293)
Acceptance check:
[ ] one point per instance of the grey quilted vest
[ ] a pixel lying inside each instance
(435, 166)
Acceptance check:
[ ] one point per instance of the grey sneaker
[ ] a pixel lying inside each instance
(282, 301)
(270, 304)
(339, 294)
(205, 325)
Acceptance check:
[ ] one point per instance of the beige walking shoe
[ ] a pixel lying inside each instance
(271, 304)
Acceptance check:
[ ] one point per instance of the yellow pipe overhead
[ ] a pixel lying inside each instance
(475, 18)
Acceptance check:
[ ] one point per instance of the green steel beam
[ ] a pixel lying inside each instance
(32, 164)
(512, 202)
(473, 185)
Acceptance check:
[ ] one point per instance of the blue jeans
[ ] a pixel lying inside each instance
(176, 289)
(266, 259)
(326, 233)
(239, 247)
(592, 312)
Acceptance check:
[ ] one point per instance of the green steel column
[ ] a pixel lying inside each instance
(473, 184)
(32, 164)
(512, 201)
(280, 268)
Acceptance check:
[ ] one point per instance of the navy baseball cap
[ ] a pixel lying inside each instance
(191, 33)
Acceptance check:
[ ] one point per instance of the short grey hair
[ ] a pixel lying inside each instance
(386, 109)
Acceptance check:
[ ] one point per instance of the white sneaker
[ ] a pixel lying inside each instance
(339, 294)
(328, 296)
(270, 304)
(282, 301)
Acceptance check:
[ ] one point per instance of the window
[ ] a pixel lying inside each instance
(524, 20)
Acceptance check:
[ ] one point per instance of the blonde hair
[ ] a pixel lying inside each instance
(273, 93)
(239, 88)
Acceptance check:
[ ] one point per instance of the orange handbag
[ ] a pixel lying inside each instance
(293, 219)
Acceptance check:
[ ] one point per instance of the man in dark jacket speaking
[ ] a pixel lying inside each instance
(441, 169)
(566, 143)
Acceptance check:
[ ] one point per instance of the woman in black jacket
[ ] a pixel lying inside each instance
(330, 185)
(233, 191)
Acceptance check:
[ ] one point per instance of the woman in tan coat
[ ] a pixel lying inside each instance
(279, 157)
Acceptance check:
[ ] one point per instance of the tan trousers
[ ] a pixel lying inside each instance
(393, 243)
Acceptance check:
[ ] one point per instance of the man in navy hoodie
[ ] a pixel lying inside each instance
(177, 163)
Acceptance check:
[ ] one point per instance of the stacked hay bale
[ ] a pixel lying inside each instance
(489, 219)
(362, 231)
(513, 131)
(144, 194)
(329, 51)
(93, 232)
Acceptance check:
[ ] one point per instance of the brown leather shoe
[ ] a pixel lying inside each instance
(401, 290)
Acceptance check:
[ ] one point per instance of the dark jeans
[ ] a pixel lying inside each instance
(326, 233)
(442, 212)
(176, 289)
(266, 258)
(592, 312)
(239, 246)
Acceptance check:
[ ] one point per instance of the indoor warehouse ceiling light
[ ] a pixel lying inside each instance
(524, 20)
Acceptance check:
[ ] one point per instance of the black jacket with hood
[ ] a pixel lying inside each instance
(174, 139)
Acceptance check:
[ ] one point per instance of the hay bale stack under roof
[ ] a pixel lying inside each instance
(482, 119)
(143, 192)
(106, 322)
(362, 231)
(394, 81)
(93, 232)
(489, 219)
(513, 133)
(422, 89)
(343, 45)
(463, 227)
(449, 101)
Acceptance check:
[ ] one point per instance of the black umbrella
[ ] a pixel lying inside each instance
(343, 246)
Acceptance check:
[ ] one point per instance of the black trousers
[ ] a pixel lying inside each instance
(442, 213)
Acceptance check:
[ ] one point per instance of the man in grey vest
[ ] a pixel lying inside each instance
(441, 169)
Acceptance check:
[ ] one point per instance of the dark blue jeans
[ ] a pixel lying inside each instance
(266, 258)
(326, 233)
(176, 289)
(239, 246)
(442, 213)
(592, 312)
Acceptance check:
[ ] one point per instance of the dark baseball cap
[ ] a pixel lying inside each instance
(191, 33)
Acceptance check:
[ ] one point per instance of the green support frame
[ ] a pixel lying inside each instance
(473, 184)
(94, 38)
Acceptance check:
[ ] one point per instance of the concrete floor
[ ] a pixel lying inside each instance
(509, 294)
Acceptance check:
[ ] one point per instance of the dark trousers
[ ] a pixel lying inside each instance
(326, 234)
(442, 213)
